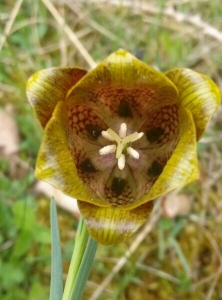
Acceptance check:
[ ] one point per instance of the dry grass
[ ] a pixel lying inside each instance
(176, 258)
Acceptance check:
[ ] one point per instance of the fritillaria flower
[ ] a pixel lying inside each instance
(119, 136)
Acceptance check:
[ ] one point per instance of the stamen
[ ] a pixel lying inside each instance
(123, 143)
(114, 135)
(139, 135)
(107, 149)
(130, 138)
(132, 152)
(107, 136)
(121, 161)
(122, 130)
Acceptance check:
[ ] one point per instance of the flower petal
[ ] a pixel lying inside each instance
(198, 93)
(55, 164)
(182, 167)
(120, 76)
(112, 225)
(46, 87)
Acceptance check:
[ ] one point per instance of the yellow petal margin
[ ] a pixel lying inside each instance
(198, 93)
(182, 167)
(113, 225)
(123, 70)
(55, 164)
(46, 87)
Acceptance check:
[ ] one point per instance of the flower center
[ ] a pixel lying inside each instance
(122, 146)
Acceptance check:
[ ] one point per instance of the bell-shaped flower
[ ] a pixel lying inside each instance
(119, 136)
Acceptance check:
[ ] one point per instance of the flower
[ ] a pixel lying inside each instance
(119, 136)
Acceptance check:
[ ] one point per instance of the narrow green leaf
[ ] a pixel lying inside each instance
(84, 270)
(81, 239)
(56, 287)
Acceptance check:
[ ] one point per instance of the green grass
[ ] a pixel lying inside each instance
(180, 258)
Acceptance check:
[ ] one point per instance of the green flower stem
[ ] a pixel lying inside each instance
(84, 269)
(81, 253)
(78, 251)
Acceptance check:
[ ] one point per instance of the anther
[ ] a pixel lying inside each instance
(121, 161)
(107, 136)
(132, 152)
(107, 149)
(122, 131)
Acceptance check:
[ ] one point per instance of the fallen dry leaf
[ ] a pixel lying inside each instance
(9, 134)
(219, 216)
(64, 201)
(176, 205)
(9, 143)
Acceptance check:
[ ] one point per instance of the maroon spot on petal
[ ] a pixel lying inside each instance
(124, 109)
(155, 169)
(118, 185)
(94, 131)
(154, 134)
(86, 166)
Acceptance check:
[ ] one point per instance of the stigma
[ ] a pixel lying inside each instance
(122, 144)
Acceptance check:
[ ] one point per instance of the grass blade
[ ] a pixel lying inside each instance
(56, 287)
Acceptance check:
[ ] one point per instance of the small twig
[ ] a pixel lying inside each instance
(214, 244)
(62, 41)
(10, 22)
(216, 278)
(72, 36)
(27, 22)
(54, 47)
(7, 88)
(211, 139)
(7, 245)
(123, 260)
(80, 12)
(202, 281)
(158, 273)
(218, 252)
(194, 20)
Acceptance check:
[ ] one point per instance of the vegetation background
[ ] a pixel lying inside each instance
(178, 252)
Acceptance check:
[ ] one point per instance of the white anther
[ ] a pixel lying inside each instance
(132, 152)
(107, 149)
(122, 130)
(107, 136)
(139, 135)
(121, 162)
